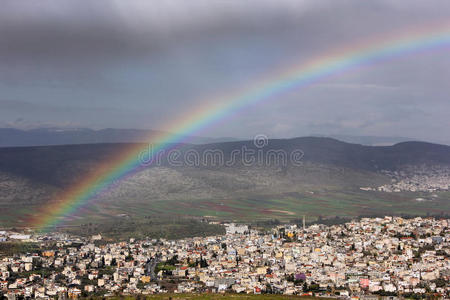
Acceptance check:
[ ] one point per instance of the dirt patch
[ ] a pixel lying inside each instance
(286, 212)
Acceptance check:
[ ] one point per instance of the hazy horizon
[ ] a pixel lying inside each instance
(200, 139)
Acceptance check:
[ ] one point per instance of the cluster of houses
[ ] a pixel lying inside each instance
(418, 179)
(365, 259)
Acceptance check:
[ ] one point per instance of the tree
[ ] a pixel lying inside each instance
(203, 263)
(173, 261)
(114, 262)
(305, 287)
(129, 257)
(269, 289)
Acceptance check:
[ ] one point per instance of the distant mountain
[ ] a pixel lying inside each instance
(10, 137)
(368, 140)
(58, 165)
(326, 181)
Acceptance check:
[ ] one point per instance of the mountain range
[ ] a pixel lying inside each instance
(12, 137)
(326, 179)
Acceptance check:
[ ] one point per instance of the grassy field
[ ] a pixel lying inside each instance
(119, 229)
(180, 218)
(324, 203)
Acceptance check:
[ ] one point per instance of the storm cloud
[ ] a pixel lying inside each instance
(142, 63)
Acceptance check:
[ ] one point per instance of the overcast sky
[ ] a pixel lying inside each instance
(137, 64)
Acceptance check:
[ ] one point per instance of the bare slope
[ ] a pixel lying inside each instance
(325, 182)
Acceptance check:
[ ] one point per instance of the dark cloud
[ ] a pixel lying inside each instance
(143, 62)
(80, 30)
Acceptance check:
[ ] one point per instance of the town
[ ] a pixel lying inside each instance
(418, 179)
(368, 258)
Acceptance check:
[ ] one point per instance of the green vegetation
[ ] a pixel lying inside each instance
(320, 202)
(166, 268)
(43, 272)
(175, 219)
(117, 229)
(14, 248)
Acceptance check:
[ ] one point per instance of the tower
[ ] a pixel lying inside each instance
(304, 223)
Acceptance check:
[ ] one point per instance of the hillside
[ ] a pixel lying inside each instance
(60, 165)
(325, 181)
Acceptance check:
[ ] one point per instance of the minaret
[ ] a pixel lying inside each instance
(304, 223)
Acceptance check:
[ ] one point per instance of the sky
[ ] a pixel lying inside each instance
(141, 63)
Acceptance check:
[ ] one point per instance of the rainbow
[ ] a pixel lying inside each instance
(128, 161)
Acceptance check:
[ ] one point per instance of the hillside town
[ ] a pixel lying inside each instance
(368, 258)
(418, 179)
